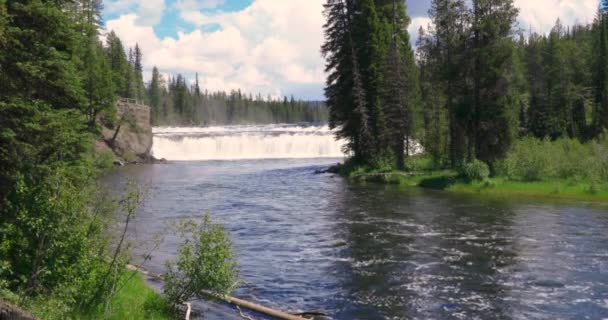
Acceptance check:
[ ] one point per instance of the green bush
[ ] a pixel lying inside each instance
(475, 171)
(529, 160)
(532, 160)
(205, 263)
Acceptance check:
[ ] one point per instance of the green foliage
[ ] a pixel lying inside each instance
(600, 71)
(565, 159)
(372, 85)
(57, 254)
(475, 171)
(174, 103)
(205, 262)
(100, 98)
(135, 301)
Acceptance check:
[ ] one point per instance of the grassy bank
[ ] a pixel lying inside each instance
(561, 169)
(496, 187)
(135, 300)
(535, 169)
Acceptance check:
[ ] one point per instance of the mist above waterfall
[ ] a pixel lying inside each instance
(245, 142)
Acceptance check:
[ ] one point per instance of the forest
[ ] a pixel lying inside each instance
(174, 103)
(486, 99)
(63, 235)
(478, 92)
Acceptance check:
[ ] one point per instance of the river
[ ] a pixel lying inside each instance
(307, 241)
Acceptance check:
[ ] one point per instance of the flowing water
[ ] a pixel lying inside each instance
(307, 241)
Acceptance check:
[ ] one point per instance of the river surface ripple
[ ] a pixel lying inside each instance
(317, 242)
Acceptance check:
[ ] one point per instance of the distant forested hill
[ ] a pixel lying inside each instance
(173, 102)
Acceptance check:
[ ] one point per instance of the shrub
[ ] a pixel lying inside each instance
(205, 263)
(475, 171)
(528, 160)
(566, 159)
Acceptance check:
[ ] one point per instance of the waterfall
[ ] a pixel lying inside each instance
(245, 142)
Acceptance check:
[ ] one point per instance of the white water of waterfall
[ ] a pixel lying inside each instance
(245, 142)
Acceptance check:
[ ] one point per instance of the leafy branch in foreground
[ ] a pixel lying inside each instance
(205, 262)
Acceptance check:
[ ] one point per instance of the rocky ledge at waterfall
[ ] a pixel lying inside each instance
(130, 140)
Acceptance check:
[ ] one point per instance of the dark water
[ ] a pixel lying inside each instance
(316, 242)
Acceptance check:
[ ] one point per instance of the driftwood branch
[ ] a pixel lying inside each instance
(189, 310)
(232, 300)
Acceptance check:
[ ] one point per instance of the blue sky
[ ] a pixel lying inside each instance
(266, 46)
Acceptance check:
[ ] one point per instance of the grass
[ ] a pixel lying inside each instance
(579, 191)
(135, 301)
(494, 187)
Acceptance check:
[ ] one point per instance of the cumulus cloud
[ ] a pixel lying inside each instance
(149, 12)
(540, 15)
(271, 47)
(415, 25)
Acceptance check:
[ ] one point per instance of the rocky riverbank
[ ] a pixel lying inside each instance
(130, 139)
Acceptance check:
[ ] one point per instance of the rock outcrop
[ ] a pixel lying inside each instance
(130, 140)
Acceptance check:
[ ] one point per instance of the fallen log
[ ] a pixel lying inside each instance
(11, 312)
(232, 300)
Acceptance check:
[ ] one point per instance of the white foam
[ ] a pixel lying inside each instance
(246, 142)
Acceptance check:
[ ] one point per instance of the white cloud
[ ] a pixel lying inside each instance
(415, 25)
(540, 15)
(271, 47)
(149, 12)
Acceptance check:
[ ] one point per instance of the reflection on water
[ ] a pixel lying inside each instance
(316, 242)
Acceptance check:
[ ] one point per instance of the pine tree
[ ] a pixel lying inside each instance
(138, 69)
(118, 62)
(155, 95)
(401, 83)
(99, 89)
(345, 92)
(451, 22)
(494, 110)
(435, 114)
(371, 38)
(601, 73)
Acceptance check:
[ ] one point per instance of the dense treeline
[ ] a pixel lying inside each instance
(56, 254)
(372, 88)
(478, 83)
(63, 239)
(174, 102)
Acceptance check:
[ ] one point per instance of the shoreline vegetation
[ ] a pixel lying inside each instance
(450, 181)
(497, 111)
(564, 169)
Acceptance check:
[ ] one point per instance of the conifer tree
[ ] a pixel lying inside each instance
(451, 21)
(493, 116)
(155, 95)
(601, 72)
(138, 69)
(118, 62)
(99, 89)
(401, 83)
(345, 92)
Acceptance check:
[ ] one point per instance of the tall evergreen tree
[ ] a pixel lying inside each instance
(99, 89)
(401, 87)
(451, 21)
(140, 92)
(345, 92)
(118, 62)
(155, 95)
(494, 113)
(601, 72)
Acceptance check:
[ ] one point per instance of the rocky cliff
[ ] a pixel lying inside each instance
(130, 140)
